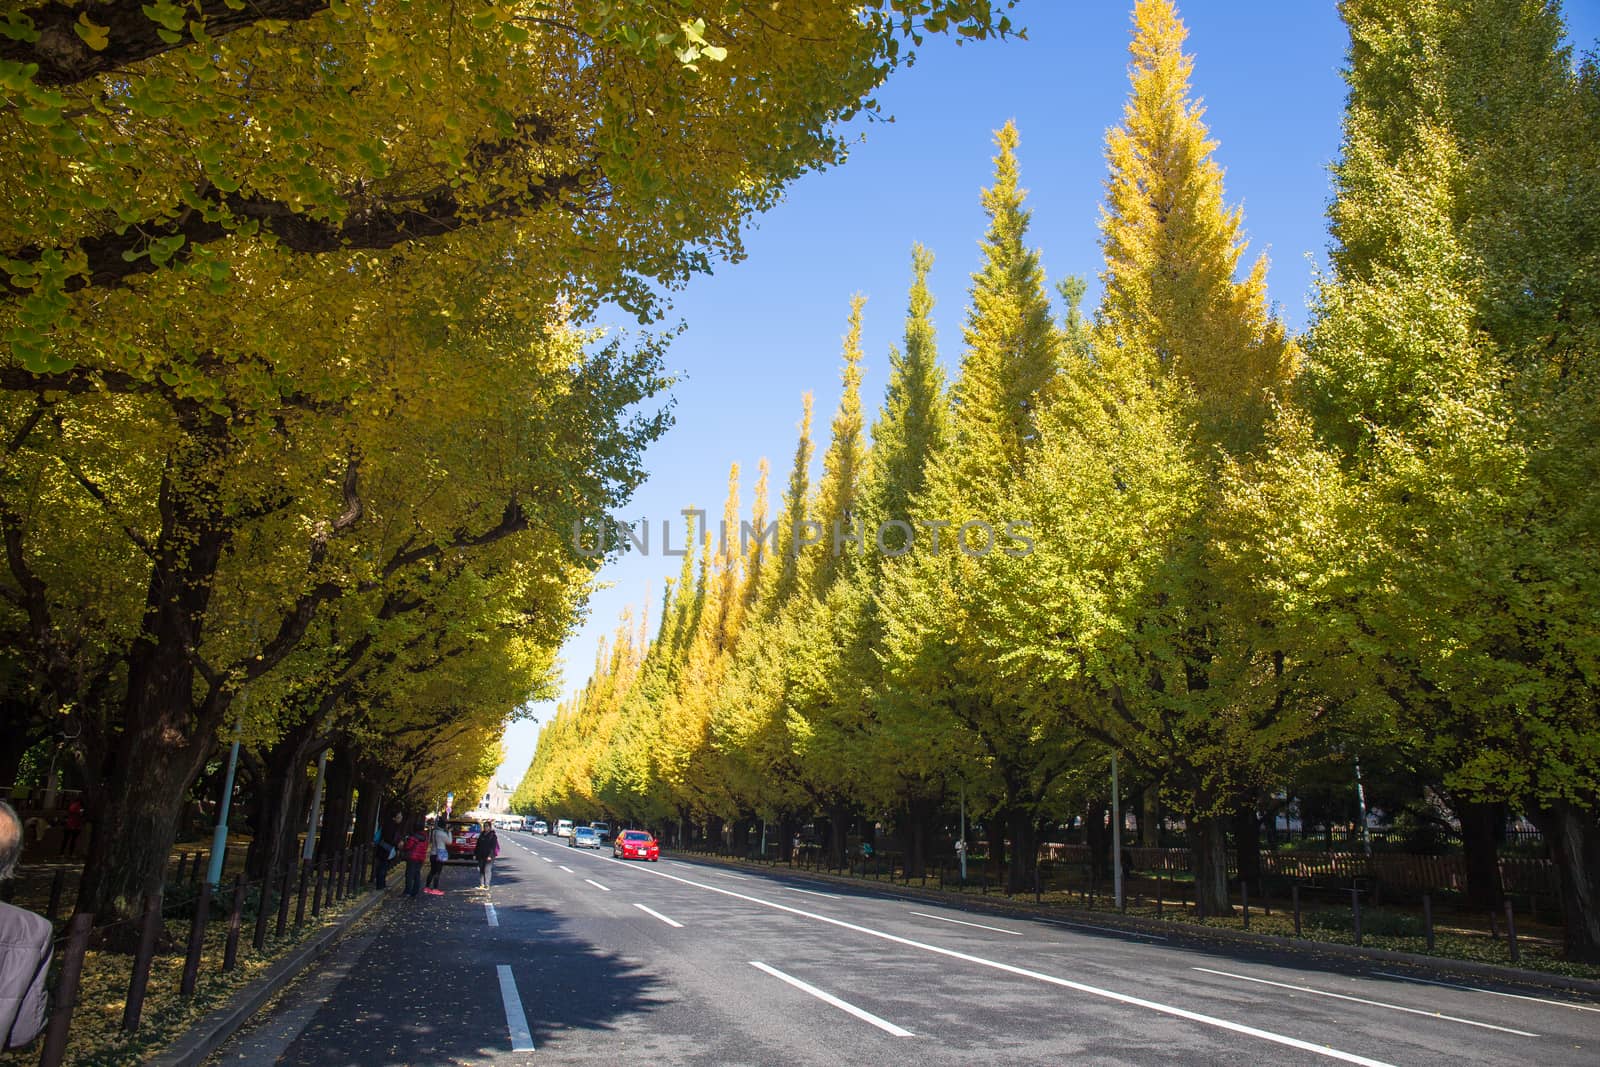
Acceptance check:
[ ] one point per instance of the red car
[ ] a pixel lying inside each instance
(635, 845)
(463, 840)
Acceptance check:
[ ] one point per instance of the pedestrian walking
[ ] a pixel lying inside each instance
(72, 827)
(415, 850)
(439, 844)
(25, 950)
(385, 847)
(487, 848)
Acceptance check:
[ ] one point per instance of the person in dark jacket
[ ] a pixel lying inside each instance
(487, 848)
(385, 849)
(25, 950)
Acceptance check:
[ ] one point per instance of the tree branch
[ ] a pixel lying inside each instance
(64, 58)
(379, 225)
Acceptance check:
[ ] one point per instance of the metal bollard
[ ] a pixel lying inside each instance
(56, 885)
(258, 941)
(300, 904)
(1427, 919)
(1294, 892)
(197, 940)
(1355, 912)
(283, 899)
(66, 997)
(1511, 933)
(316, 896)
(230, 955)
(140, 979)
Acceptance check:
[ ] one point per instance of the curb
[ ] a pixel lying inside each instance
(214, 1030)
(1194, 934)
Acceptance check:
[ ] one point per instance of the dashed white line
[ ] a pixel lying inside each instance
(564, 867)
(828, 998)
(1039, 976)
(597, 885)
(516, 1019)
(1370, 1003)
(488, 909)
(1491, 992)
(546, 859)
(675, 924)
(962, 922)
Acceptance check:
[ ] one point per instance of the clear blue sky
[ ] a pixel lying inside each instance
(764, 331)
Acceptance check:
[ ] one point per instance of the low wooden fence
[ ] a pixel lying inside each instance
(257, 914)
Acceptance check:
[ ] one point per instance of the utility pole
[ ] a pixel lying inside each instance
(219, 836)
(1116, 833)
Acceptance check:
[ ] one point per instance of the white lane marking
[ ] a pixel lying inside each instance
(494, 920)
(828, 998)
(1104, 929)
(1363, 1000)
(516, 1020)
(961, 922)
(564, 867)
(675, 924)
(546, 859)
(1491, 992)
(597, 885)
(812, 893)
(1039, 976)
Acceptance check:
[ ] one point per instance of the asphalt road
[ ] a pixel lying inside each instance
(575, 957)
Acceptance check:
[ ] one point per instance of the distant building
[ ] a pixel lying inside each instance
(497, 801)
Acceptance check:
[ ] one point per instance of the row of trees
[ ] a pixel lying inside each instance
(1245, 556)
(297, 393)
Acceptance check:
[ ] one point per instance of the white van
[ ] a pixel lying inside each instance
(563, 827)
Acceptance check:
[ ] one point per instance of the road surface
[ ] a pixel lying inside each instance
(575, 957)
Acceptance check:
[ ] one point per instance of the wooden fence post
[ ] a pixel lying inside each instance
(230, 955)
(140, 979)
(1511, 933)
(66, 998)
(1355, 912)
(263, 913)
(1427, 919)
(1294, 891)
(283, 899)
(300, 904)
(197, 940)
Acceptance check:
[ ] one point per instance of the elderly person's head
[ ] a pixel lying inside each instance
(10, 840)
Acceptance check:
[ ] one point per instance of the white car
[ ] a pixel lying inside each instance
(563, 827)
(540, 827)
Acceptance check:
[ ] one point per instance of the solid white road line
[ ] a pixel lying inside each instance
(1039, 976)
(1363, 1000)
(960, 922)
(516, 1020)
(494, 920)
(1491, 992)
(812, 893)
(564, 867)
(828, 998)
(675, 924)
(597, 885)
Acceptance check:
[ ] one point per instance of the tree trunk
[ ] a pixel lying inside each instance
(994, 825)
(1097, 836)
(1024, 850)
(1150, 818)
(838, 833)
(336, 802)
(786, 823)
(368, 793)
(1574, 837)
(714, 832)
(1209, 846)
(1480, 851)
(1247, 841)
(919, 828)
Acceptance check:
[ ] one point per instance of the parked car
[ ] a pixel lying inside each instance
(636, 845)
(603, 829)
(564, 828)
(584, 837)
(540, 826)
(463, 839)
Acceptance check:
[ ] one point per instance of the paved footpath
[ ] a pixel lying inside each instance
(575, 957)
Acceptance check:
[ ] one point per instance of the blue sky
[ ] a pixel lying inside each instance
(764, 331)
